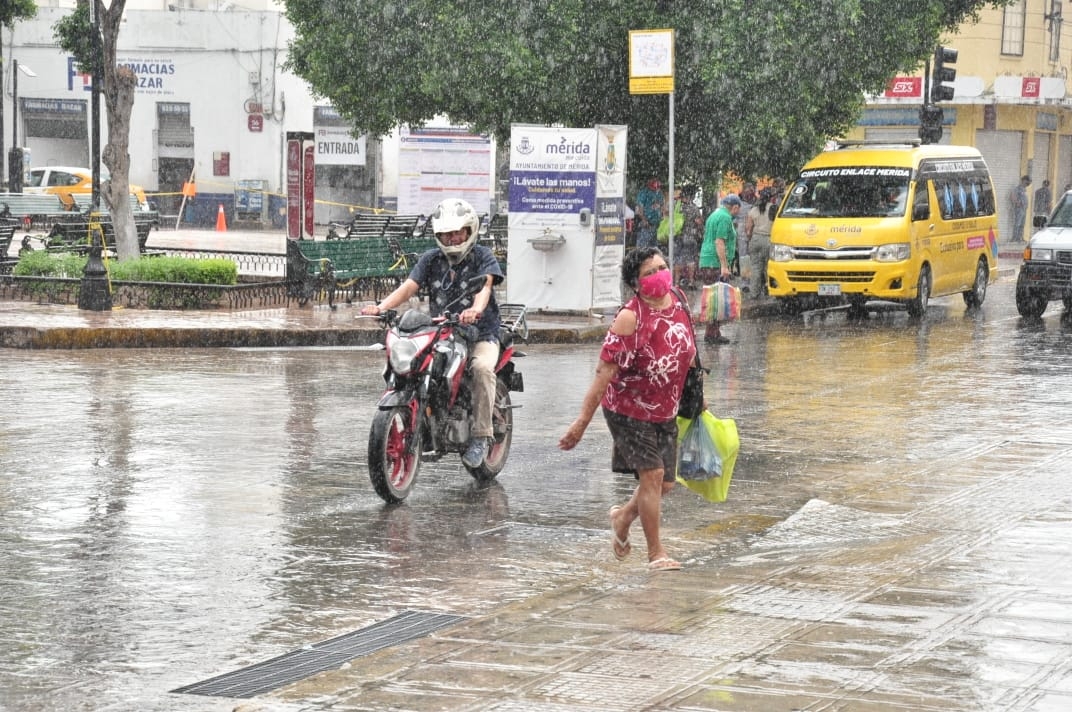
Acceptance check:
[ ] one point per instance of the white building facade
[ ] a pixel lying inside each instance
(213, 102)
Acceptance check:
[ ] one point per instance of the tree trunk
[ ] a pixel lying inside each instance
(116, 192)
(118, 90)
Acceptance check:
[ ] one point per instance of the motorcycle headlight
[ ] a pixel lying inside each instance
(781, 253)
(401, 356)
(893, 252)
(1040, 255)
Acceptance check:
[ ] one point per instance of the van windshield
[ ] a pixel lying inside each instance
(858, 192)
(1062, 215)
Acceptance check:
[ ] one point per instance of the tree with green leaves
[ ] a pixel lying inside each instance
(11, 11)
(95, 52)
(759, 84)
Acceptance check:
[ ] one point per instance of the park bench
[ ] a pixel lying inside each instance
(363, 225)
(497, 234)
(83, 203)
(34, 210)
(7, 234)
(357, 266)
(71, 232)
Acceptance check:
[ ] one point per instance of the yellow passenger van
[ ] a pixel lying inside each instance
(886, 221)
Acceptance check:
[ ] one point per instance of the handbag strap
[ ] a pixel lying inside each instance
(688, 315)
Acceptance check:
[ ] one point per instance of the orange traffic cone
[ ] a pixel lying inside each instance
(221, 220)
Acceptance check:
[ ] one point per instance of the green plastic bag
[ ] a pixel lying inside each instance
(663, 233)
(706, 453)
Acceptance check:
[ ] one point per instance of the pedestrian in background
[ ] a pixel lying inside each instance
(649, 212)
(687, 244)
(1018, 205)
(748, 198)
(642, 367)
(1044, 199)
(758, 227)
(716, 254)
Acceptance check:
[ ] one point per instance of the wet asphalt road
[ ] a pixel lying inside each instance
(897, 533)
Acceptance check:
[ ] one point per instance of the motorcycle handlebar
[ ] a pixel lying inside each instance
(390, 317)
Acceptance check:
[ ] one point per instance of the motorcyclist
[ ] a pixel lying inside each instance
(442, 274)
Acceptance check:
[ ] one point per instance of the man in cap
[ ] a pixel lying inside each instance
(717, 252)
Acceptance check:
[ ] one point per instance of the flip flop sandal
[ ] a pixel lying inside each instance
(664, 564)
(620, 548)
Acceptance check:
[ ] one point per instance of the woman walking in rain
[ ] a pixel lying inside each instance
(642, 367)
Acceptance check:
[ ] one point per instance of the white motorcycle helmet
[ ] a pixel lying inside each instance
(450, 215)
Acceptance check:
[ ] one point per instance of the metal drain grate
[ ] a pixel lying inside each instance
(326, 655)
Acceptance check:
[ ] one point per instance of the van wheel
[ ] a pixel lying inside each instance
(857, 307)
(1029, 303)
(791, 305)
(917, 307)
(974, 297)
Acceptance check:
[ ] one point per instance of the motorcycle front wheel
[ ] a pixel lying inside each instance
(502, 422)
(394, 453)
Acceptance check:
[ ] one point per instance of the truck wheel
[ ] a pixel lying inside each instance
(790, 305)
(1029, 303)
(917, 306)
(857, 307)
(974, 297)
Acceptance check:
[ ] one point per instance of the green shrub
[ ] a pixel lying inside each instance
(45, 264)
(175, 269)
(181, 270)
(150, 269)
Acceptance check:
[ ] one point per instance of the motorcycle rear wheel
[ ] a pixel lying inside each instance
(394, 454)
(502, 423)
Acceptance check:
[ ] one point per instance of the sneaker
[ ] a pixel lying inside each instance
(474, 454)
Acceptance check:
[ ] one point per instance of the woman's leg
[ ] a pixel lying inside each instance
(646, 504)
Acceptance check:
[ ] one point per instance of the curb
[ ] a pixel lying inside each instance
(63, 337)
(24, 337)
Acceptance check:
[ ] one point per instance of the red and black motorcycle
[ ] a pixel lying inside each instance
(425, 412)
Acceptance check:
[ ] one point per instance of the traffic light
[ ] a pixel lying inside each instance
(943, 74)
(930, 123)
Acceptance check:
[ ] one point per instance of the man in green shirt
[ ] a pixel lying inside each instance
(717, 252)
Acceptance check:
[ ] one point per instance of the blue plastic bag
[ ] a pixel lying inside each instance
(706, 453)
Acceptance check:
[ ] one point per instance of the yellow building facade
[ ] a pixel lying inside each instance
(1010, 100)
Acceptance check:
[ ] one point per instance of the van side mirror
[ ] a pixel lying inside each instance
(1039, 221)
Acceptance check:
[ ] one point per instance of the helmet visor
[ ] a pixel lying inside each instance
(453, 238)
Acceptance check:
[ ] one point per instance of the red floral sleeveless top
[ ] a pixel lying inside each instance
(652, 362)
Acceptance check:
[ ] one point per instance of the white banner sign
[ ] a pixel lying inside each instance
(336, 147)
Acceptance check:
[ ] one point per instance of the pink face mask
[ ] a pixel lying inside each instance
(656, 286)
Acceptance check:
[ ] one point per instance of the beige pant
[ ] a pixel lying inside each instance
(482, 361)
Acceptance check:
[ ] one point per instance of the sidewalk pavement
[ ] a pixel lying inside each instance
(42, 326)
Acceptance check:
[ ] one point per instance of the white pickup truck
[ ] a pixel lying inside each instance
(1046, 272)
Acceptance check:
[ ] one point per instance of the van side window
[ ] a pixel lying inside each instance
(921, 207)
(987, 198)
(945, 199)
